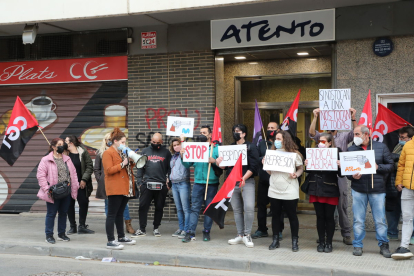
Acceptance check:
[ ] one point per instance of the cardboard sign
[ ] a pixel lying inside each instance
(353, 162)
(148, 40)
(280, 161)
(180, 125)
(322, 159)
(230, 155)
(334, 105)
(195, 152)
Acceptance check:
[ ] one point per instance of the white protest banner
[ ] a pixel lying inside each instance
(334, 105)
(195, 152)
(230, 155)
(180, 125)
(279, 161)
(353, 162)
(322, 159)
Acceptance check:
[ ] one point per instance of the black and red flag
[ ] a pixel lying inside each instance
(21, 128)
(219, 205)
(386, 127)
(366, 114)
(290, 122)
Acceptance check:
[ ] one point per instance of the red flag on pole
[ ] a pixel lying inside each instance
(290, 122)
(216, 137)
(21, 128)
(218, 207)
(366, 115)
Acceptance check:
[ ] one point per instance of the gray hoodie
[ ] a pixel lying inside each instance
(179, 173)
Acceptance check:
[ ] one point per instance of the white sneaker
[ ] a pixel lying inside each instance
(125, 240)
(248, 241)
(236, 240)
(138, 234)
(157, 233)
(114, 245)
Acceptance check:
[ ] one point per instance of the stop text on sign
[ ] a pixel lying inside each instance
(196, 152)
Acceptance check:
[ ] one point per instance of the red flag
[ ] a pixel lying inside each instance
(219, 205)
(290, 122)
(216, 137)
(366, 115)
(21, 128)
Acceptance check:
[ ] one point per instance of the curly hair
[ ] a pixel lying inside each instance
(172, 144)
(288, 143)
(117, 134)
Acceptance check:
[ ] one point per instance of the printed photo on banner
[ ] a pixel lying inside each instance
(195, 152)
(322, 159)
(334, 105)
(180, 125)
(353, 162)
(230, 155)
(279, 161)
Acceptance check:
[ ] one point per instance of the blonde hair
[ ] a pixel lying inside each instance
(104, 145)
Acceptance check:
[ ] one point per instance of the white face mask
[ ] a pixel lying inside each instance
(358, 141)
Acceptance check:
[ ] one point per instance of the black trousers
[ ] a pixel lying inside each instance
(262, 202)
(325, 221)
(145, 200)
(116, 207)
(289, 206)
(83, 202)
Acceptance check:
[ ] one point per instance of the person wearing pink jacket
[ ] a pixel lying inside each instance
(52, 170)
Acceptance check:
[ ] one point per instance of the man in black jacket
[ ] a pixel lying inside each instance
(152, 180)
(363, 191)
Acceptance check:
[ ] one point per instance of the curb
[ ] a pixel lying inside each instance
(183, 261)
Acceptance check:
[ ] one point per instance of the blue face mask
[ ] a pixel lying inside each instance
(278, 144)
(402, 143)
(121, 147)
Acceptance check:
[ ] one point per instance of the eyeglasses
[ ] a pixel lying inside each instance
(323, 141)
(402, 137)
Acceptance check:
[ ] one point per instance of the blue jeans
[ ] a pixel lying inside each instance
(60, 206)
(126, 211)
(197, 200)
(181, 193)
(359, 207)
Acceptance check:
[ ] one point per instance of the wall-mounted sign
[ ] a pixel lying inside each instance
(148, 40)
(300, 27)
(383, 47)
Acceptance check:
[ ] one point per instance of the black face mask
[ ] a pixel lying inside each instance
(236, 136)
(202, 138)
(61, 149)
(155, 146)
(271, 134)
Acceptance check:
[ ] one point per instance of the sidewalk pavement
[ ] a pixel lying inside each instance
(24, 235)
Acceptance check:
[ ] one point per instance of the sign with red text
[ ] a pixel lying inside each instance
(362, 162)
(64, 70)
(334, 105)
(279, 161)
(196, 152)
(322, 159)
(148, 40)
(231, 154)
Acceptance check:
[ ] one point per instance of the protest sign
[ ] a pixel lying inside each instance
(322, 159)
(353, 162)
(180, 125)
(230, 155)
(334, 105)
(195, 152)
(279, 161)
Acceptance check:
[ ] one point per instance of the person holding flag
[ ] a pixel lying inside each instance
(244, 193)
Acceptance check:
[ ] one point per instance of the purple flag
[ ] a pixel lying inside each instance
(258, 126)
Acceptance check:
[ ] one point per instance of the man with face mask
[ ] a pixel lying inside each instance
(363, 191)
(152, 180)
(342, 139)
(199, 187)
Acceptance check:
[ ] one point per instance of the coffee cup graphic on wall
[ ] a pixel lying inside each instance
(42, 106)
(115, 116)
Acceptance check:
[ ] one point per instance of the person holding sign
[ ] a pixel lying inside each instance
(341, 139)
(284, 191)
(370, 188)
(243, 197)
(323, 192)
(199, 187)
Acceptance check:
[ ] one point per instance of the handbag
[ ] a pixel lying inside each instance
(305, 186)
(62, 189)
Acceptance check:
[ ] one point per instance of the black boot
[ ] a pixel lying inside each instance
(83, 229)
(328, 247)
(321, 246)
(73, 230)
(275, 244)
(295, 246)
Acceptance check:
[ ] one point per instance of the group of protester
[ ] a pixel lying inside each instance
(165, 169)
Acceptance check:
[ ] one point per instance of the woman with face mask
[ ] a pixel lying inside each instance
(243, 199)
(53, 169)
(284, 191)
(181, 188)
(100, 178)
(119, 187)
(324, 194)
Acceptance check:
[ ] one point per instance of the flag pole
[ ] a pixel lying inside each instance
(209, 167)
(43, 135)
(372, 176)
